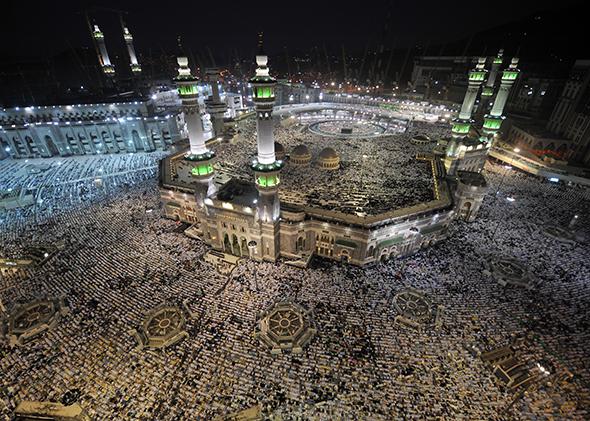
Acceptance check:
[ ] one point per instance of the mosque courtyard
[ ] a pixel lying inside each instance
(404, 339)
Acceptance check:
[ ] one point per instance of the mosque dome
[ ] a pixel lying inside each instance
(279, 151)
(300, 155)
(329, 159)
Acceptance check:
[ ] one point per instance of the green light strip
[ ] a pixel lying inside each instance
(203, 169)
(267, 180)
(188, 89)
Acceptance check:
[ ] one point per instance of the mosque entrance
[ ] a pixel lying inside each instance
(344, 256)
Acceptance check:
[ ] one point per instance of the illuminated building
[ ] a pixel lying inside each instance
(247, 218)
(82, 129)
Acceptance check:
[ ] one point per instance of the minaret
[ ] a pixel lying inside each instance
(215, 107)
(462, 124)
(103, 55)
(266, 167)
(493, 120)
(135, 67)
(199, 155)
(488, 90)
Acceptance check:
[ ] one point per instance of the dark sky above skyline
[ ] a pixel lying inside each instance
(38, 29)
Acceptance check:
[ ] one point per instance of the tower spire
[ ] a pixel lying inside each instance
(215, 107)
(103, 55)
(266, 167)
(261, 43)
(135, 67)
(199, 155)
(477, 76)
(488, 90)
(493, 120)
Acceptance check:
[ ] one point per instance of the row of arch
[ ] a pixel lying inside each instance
(394, 251)
(233, 245)
(238, 246)
(92, 143)
(73, 116)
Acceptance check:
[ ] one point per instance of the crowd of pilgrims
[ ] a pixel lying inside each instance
(376, 174)
(62, 184)
(120, 259)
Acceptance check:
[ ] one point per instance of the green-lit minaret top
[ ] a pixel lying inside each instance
(488, 89)
(199, 155)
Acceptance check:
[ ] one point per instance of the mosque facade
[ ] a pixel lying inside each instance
(247, 219)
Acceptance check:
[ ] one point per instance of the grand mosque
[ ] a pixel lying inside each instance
(329, 179)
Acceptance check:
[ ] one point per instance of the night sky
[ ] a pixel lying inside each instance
(39, 29)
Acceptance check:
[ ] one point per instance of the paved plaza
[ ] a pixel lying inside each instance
(121, 267)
